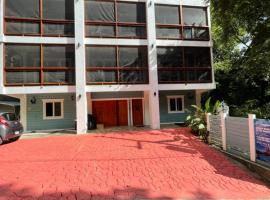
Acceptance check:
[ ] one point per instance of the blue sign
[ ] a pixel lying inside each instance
(262, 137)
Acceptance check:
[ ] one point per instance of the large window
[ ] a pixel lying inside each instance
(195, 23)
(53, 109)
(184, 64)
(115, 19)
(190, 24)
(116, 64)
(175, 104)
(168, 21)
(39, 64)
(39, 17)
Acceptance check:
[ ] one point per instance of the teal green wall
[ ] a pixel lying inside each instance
(35, 113)
(165, 117)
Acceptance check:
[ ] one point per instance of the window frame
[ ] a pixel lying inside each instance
(40, 21)
(181, 25)
(176, 26)
(41, 69)
(185, 69)
(53, 101)
(193, 28)
(175, 97)
(117, 69)
(116, 24)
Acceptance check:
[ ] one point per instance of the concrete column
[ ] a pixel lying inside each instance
(1, 46)
(252, 145)
(1, 18)
(147, 121)
(1, 67)
(198, 97)
(23, 111)
(153, 72)
(81, 97)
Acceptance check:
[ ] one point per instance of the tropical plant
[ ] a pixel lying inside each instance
(197, 121)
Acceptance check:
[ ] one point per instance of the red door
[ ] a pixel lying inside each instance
(105, 112)
(122, 115)
(111, 113)
(137, 112)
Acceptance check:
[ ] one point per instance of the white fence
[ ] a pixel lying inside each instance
(233, 134)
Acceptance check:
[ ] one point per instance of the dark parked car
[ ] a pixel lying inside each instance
(10, 127)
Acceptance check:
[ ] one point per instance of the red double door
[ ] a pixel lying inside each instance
(115, 112)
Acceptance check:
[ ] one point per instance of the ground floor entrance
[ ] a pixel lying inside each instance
(127, 112)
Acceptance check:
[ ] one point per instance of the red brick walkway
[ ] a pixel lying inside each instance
(166, 164)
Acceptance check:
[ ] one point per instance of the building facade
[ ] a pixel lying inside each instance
(127, 62)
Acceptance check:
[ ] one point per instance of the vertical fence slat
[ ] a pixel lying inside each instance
(223, 130)
(252, 147)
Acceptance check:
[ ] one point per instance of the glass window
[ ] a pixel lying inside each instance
(127, 65)
(170, 57)
(196, 33)
(22, 27)
(100, 31)
(175, 104)
(195, 16)
(49, 109)
(168, 32)
(101, 76)
(59, 56)
(23, 64)
(132, 57)
(197, 57)
(58, 29)
(22, 77)
(168, 76)
(58, 9)
(99, 11)
(133, 76)
(199, 75)
(53, 109)
(22, 8)
(22, 56)
(167, 14)
(131, 31)
(100, 56)
(131, 12)
(64, 77)
(57, 109)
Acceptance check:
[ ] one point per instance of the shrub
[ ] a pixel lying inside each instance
(197, 121)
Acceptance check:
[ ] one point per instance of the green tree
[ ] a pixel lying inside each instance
(241, 34)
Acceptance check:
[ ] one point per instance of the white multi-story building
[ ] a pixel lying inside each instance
(128, 62)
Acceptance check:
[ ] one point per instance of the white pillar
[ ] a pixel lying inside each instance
(23, 111)
(81, 97)
(252, 145)
(223, 130)
(1, 46)
(153, 72)
(208, 121)
(1, 19)
(1, 67)
(146, 109)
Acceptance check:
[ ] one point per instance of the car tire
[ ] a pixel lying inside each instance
(1, 140)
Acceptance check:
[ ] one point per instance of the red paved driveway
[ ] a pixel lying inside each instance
(167, 164)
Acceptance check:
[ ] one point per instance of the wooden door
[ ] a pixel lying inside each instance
(105, 112)
(137, 112)
(122, 115)
(111, 113)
